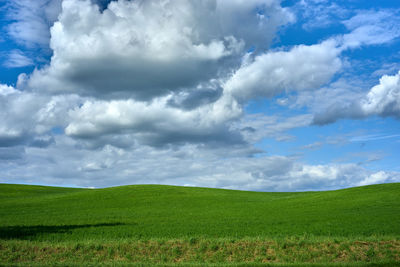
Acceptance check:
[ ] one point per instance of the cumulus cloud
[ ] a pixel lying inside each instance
(121, 51)
(376, 178)
(185, 165)
(173, 71)
(27, 118)
(156, 91)
(13, 129)
(382, 100)
(301, 68)
(155, 123)
(7, 90)
(203, 114)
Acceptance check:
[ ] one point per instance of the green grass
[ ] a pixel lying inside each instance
(155, 224)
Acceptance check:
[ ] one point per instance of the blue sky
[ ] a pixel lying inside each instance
(256, 95)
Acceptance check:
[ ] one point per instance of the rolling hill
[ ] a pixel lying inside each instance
(51, 216)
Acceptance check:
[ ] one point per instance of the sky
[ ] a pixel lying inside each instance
(263, 95)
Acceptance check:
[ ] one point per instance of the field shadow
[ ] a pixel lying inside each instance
(27, 232)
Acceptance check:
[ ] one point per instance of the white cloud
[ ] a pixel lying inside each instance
(155, 123)
(373, 137)
(372, 28)
(319, 13)
(26, 117)
(159, 121)
(382, 100)
(171, 69)
(7, 90)
(64, 162)
(301, 68)
(255, 127)
(183, 44)
(154, 92)
(314, 145)
(376, 178)
(386, 69)
(17, 59)
(32, 20)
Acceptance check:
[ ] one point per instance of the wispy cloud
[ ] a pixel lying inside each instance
(372, 28)
(373, 137)
(31, 21)
(313, 146)
(17, 59)
(320, 14)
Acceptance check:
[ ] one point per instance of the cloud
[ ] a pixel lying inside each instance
(173, 79)
(384, 98)
(367, 27)
(255, 127)
(376, 178)
(210, 112)
(372, 28)
(64, 162)
(200, 96)
(301, 68)
(319, 14)
(381, 100)
(312, 146)
(27, 118)
(184, 44)
(12, 153)
(31, 21)
(7, 90)
(373, 137)
(102, 3)
(161, 81)
(155, 123)
(155, 92)
(17, 59)
(387, 68)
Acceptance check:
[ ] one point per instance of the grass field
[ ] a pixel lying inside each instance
(146, 225)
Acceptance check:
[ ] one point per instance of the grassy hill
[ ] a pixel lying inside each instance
(188, 217)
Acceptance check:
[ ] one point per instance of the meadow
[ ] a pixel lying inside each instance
(157, 225)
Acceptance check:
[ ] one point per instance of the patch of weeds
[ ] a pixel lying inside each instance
(203, 247)
(370, 253)
(177, 252)
(271, 257)
(263, 250)
(111, 252)
(78, 246)
(214, 247)
(98, 247)
(344, 246)
(259, 259)
(164, 258)
(193, 241)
